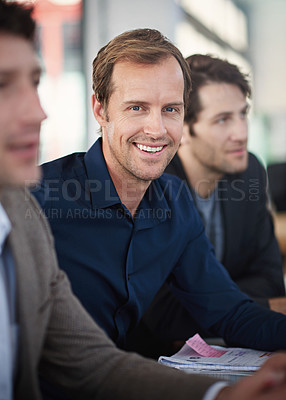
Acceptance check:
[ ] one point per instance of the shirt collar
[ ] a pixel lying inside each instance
(103, 193)
(102, 190)
(5, 227)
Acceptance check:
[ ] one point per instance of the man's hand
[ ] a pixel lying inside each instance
(269, 383)
(278, 304)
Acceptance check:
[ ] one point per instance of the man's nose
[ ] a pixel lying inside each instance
(155, 124)
(32, 109)
(240, 130)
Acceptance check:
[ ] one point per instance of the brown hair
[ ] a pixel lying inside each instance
(16, 19)
(206, 69)
(142, 46)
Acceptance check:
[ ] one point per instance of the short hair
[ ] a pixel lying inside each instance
(16, 19)
(141, 46)
(206, 69)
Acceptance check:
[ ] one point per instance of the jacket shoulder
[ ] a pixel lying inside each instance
(25, 214)
(256, 170)
(254, 162)
(174, 185)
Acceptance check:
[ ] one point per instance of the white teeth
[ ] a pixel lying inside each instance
(148, 148)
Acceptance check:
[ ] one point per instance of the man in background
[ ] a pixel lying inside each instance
(228, 185)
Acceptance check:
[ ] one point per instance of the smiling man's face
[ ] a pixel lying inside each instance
(142, 126)
(20, 111)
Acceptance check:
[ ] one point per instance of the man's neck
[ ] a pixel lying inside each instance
(203, 180)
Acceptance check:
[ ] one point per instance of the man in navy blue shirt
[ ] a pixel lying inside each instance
(55, 336)
(122, 228)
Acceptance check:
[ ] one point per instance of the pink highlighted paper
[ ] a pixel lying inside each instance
(202, 348)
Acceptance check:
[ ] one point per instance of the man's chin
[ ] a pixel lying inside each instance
(34, 178)
(25, 177)
(237, 166)
(150, 177)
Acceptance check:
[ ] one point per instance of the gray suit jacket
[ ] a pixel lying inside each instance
(57, 338)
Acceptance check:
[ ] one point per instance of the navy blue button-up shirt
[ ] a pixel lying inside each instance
(116, 264)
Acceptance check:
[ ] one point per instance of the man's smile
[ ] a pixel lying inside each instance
(149, 149)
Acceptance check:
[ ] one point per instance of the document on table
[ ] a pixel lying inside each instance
(197, 356)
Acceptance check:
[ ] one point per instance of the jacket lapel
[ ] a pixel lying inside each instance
(231, 194)
(27, 294)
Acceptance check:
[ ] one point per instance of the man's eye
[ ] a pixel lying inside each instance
(170, 109)
(136, 108)
(4, 84)
(36, 82)
(221, 120)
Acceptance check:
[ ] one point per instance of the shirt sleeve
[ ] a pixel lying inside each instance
(206, 290)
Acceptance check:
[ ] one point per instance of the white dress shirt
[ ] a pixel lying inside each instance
(6, 351)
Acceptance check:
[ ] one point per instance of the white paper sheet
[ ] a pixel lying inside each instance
(226, 359)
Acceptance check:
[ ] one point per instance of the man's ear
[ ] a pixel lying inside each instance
(186, 137)
(98, 111)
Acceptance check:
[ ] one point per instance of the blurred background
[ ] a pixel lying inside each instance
(250, 33)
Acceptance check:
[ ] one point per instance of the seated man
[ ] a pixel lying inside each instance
(229, 190)
(43, 328)
(122, 228)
